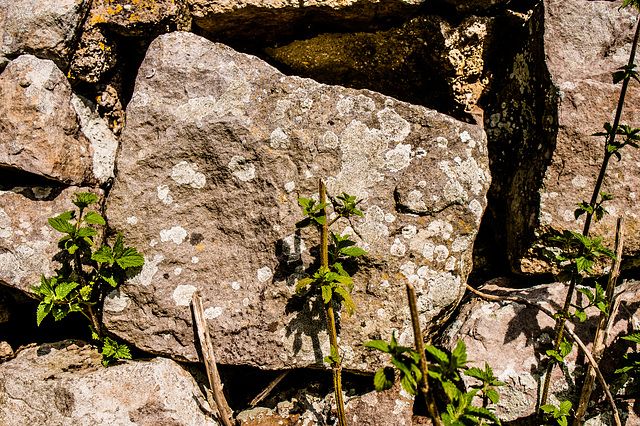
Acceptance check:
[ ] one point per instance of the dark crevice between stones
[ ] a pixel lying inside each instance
(32, 186)
(243, 383)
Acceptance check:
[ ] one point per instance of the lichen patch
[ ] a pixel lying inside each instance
(182, 294)
(186, 174)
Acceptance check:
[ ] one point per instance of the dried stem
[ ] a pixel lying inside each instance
(569, 332)
(423, 383)
(269, 388)
(601, 330)
(210, 361)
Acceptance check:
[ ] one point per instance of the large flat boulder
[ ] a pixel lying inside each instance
(217, 148)
(45, 28)
(49, 131)
(557, 91)
(63, 383)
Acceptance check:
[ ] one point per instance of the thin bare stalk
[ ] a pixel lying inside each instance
(268, 389)
(336, 367)
(587, 223)
(423, 383)
(569, 332)
(601, 330)
(210, 361)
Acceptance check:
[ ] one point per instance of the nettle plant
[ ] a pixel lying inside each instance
(446, 373)
(86, 274)
(579, 253)
(331, 281)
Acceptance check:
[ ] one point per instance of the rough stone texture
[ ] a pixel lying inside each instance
(270, 20)
(217, 148)
(443, 62)
(514, 338)
(64, 383)
(45, 28)
(141, 18)
(95, 55)
(5, 351)
(41, 130)
(28, 244)
(391, 408)
(554, 94)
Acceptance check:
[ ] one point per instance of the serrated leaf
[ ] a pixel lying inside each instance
(380, 345)
(548, 408)
(64, 288)
(42, 312)
(103, 255)
(384, 379)
(482, 413)
(304, 202)
(59, 312)
(346, 298)
(71, 248)
(635, 337)
(401, 366)
(409, 384)
(118, 246)
(565, 407)
(84, 199)
(493, 395)
(61, 223)
(583, 264)
(130, 258)
(109, 277)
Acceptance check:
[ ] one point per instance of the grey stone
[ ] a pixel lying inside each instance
(64, 383)
(272, 20)
(46, 132)
(45, 28)
(513, 338)
(556, 91)
(217, 148)
(28, 244)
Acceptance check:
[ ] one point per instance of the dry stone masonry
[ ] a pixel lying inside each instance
(430, 112)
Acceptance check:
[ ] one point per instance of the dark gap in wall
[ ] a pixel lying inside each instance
(33, 186)
(243, 383)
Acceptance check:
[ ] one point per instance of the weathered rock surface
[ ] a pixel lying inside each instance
(514, 338)
(45, 28)
(443, 62)
(477, 5)
(64, 384)
(217, 148)
(391, 408)
(47, 130)
(555, 94)
(28, 244)
(272, 20)
(141, 18)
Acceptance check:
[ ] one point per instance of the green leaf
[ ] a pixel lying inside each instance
(86, 232)
(305, 202)
(353, 251)
(493, 395)
(346, 298)
(42, 312)
(302, 284)
(130, 258)
(635, 337)
(548, 408)
(103, 255)
(440, 356)
(326, 294)
(84, 199)
(409, 384)
(384, 379)
(64, 288)
(59, 312)
(61, 222)
(95, 218)
(565, 407)
(380, 345)
(584, 264)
